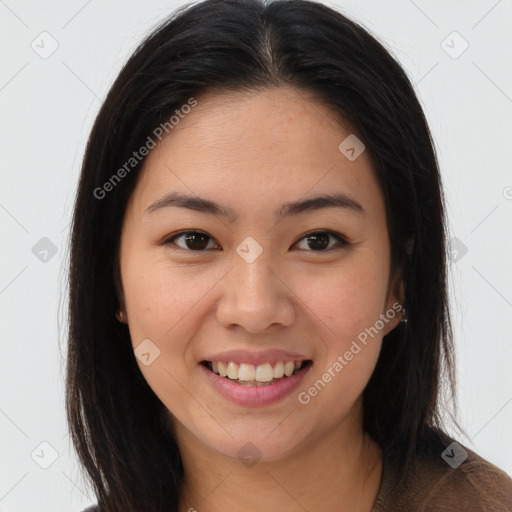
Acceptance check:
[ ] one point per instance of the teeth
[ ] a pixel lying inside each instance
(278, 370)
(264, 372)
(288, 368)
(232, 370)
(223, 369)
(246, 373)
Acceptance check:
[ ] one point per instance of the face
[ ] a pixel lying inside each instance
(257, 284)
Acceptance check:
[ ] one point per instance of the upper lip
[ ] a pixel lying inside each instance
(271, 356)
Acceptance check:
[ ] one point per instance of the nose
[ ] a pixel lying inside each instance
(255, 297)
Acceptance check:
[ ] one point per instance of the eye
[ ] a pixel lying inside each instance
(198, 241)
(319, 240)
(194, 240)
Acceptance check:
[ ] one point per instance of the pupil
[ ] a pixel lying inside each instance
(191, 238)
(316, 240)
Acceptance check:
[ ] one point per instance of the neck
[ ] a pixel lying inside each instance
(340, 471)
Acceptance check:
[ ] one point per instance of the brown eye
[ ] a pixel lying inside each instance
(197, 241)
(193, 240)
(319, 241)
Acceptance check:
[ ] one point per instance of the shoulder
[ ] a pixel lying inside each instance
(475, 484)
(446, 476)
(92, 508)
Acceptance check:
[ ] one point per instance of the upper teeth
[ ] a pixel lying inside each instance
(250, 372)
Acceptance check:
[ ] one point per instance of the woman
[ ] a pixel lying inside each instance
(258, 308)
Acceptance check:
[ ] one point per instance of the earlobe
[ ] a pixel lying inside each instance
(397, 288)
(396, 314)
(121, 315)
(395, 307)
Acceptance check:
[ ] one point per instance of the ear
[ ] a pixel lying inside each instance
(394, 304)
(396, 291)
(121, 314)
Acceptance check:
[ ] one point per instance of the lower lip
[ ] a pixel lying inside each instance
(255, 395)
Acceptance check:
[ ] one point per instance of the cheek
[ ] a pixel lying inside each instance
(346, 308)
(346, 299)
(160, 297)
(162, 303)
(346, 303)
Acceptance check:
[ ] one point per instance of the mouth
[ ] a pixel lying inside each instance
(266, 374)
(255, 385)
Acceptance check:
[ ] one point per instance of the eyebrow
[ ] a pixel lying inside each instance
(199, 204)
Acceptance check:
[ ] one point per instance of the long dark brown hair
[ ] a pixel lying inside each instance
(118, 425)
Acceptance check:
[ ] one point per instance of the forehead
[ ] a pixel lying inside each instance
(248, 147)
(258, 124)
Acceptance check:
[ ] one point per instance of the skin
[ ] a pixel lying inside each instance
(253, 151)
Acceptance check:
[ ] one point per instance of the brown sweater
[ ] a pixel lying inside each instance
(440, 481)
(443, 479)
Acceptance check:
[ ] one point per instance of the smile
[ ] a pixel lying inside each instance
(250, 374)
(252, 385)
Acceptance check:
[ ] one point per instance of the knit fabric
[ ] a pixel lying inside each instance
(443, 479)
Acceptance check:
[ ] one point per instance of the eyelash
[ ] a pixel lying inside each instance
(343, 242)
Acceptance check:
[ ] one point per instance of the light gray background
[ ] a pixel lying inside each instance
(47, 107)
